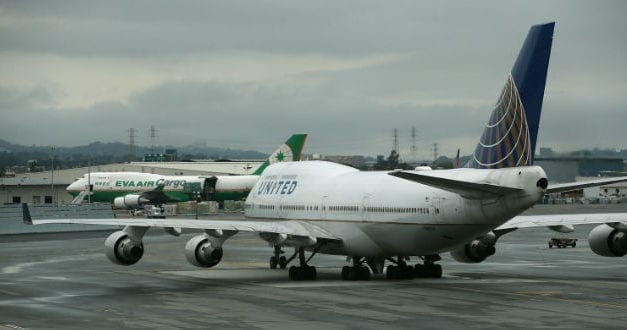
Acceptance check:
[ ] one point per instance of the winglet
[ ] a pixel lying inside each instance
(26, 218)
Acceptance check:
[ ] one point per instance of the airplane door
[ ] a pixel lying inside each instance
(365, 203)
(436, 210)
(323, 207)
(209, 188)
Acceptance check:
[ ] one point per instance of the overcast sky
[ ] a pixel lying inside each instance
(247, 74)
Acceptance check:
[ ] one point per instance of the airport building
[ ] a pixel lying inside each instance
(47, 187)
(569, 169)
(566, 169)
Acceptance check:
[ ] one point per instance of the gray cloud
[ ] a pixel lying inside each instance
(449, 62)
(153, 28)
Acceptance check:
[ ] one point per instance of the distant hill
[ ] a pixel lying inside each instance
(104, 153)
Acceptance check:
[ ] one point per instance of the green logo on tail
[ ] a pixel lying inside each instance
(288, 152)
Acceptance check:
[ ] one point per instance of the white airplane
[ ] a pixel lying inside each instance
(127, 190)
(374, 217)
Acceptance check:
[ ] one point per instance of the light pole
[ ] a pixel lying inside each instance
(89, 182)
(52, 174)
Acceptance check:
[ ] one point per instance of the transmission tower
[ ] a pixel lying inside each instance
(131, 145)
(395, 147)
(435, 152)
(153, 138)
(414, 150)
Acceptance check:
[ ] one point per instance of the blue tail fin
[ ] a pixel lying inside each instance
(509, 138)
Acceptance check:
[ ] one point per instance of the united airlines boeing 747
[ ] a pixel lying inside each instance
(389, 216)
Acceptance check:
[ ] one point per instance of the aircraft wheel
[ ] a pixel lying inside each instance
(294, 273)
(402, 272)
(302, 273)
(391, 272)
(273, 262)
(364, 273)
(420, 271)
(346, 273)
(282, 262)
(312, 274)
(435, 271)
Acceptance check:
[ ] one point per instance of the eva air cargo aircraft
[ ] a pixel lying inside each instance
(381, 219)
(133, 189)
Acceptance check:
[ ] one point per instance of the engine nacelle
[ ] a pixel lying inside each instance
(200, 252)
(477, 250)
(129, 201)
(607, 241)
(122, 250)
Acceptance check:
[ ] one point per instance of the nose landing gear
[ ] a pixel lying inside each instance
(277, 259)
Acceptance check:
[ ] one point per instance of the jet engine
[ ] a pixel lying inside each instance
(608, 241)
(477, 250)
(129, 201)
(201, 252)
(123, 250)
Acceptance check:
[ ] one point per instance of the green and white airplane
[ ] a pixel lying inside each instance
(132, 189)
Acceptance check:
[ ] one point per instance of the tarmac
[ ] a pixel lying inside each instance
(64, 280)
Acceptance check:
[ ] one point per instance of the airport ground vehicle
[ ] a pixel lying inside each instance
(562, 242)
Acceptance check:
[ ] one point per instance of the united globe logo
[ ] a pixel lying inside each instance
(505, 141)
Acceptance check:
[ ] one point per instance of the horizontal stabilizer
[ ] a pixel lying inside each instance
(562, 187)
(464, 188)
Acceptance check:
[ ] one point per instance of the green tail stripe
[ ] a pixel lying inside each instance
(296, 143)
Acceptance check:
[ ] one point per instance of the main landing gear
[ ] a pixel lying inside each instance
(278, 260)
(401, 271)
(428, 269)
(357, 272)
(304, 271)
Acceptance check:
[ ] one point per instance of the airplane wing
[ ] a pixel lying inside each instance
(561, 187)
(528, 221)
(464, 188)
(289, 227)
